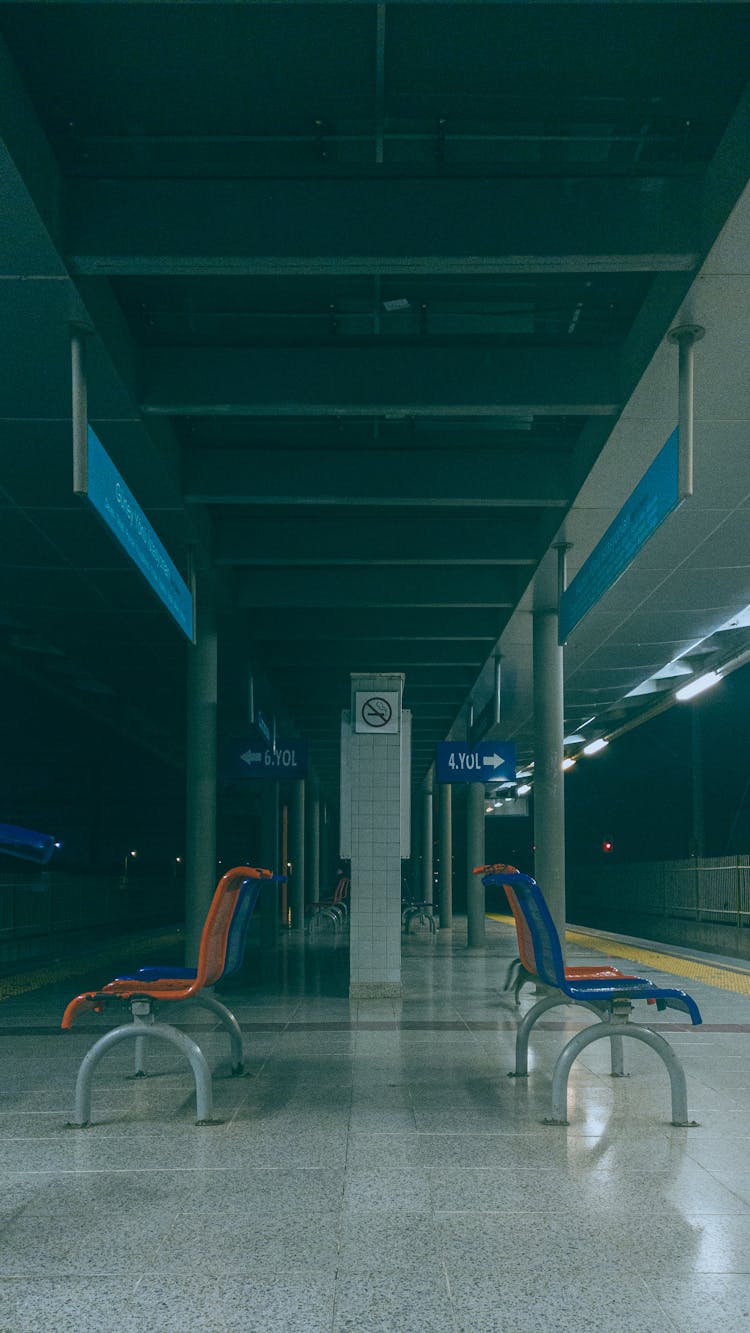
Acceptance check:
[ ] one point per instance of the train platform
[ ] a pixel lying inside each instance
(376, 1168)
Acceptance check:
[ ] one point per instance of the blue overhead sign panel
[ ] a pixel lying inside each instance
(287, 760)
(115, 503)
(655, 496)
(489, 761)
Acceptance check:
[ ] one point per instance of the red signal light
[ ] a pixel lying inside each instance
(607, 846)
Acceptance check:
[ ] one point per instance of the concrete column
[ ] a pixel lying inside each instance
(374, 762)
(312, 851)
(200, 839)
(475, 803)
(270, 896)
(549, 791)
(425, 888)
(297, 854)
(445, 855)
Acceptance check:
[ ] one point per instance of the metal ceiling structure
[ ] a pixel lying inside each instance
(377, 294)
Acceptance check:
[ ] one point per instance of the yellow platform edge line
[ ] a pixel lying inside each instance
(118, 956)
(723, 978)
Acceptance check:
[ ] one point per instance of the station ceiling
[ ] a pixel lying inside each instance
(371, 287)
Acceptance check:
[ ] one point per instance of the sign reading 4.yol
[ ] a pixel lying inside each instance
(485, 762)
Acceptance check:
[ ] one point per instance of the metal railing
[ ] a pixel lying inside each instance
(709, 891)
(45, 911)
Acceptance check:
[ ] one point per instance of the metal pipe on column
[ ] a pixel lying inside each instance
(325, 846)
(200, 814)
(270, 898)
(312, 852)
(425, 890)
(79, 405)
(685, 336)
(445, 854)
(549, 793)
(475, 811)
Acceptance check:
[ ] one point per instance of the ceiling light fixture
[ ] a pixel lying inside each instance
(698, 685)
(594, 747)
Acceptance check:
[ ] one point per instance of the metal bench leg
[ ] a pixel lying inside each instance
(593, 1033)
(230, 1024)
(524, 1029)
(317, 916)
(552, 1001)
(617, 1066)
(135, 1031)
(139, 1071)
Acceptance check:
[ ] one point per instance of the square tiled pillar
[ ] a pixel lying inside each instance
(375, 779)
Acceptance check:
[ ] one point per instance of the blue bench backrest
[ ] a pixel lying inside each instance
(545, 939)
(249, 892)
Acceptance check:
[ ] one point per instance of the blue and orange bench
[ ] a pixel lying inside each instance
(604, 990)
(221, 951)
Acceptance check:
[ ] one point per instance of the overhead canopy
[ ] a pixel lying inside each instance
(372, 291)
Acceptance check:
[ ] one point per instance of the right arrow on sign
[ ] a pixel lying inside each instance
(492, 760)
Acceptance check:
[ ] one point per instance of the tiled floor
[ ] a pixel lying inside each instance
(376, 1170)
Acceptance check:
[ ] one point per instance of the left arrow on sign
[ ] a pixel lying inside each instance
(252, 756)
(492, 760)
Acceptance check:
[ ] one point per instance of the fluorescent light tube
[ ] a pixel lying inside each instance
(698, 685)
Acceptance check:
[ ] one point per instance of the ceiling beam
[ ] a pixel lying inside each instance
(478, 479)
(379, 226)
(364, 587)
(464, 624)
(374, 655)
(379, 381)
(281, 540)
(415, 3)
(318, 680)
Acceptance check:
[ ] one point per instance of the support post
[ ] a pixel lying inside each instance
(475, 802)
(268, 906)
(425, 892)
(696, 769)
(549, 793)
(312, 852)
(445, 854)
(374, 757)
(200, 836)
(297, 854)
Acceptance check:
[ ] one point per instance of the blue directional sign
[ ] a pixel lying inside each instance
(116, 504)
(287, 760)
(655, 496)
(486, 762)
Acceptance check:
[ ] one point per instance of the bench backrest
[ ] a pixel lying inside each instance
(538, 940)
(224, 933)
(341, 892)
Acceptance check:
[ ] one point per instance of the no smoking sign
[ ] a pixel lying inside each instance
(376, 713)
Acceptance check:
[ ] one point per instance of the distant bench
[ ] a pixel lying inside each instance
(334, 909)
